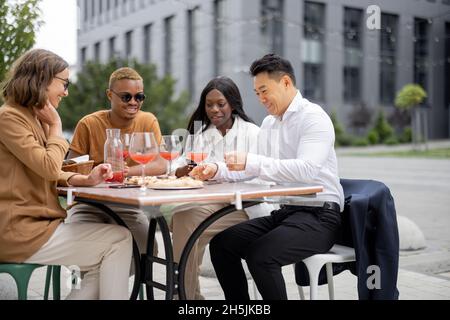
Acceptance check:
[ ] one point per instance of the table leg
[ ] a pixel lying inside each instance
(170, 264)
(148, 259)
(194, 237)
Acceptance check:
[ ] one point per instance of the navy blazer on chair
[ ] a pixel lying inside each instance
(370, 226)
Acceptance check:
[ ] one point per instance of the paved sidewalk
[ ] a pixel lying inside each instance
(412, 285)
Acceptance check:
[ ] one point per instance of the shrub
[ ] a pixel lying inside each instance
(341, 138)
(345, 140)
(406, 135)
(383, 128)
(392, 140)
(373, 137)
(361, 142)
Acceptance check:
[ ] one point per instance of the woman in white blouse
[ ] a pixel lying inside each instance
(219, 119)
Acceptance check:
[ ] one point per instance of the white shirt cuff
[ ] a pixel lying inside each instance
(221, 169)
(253, 165)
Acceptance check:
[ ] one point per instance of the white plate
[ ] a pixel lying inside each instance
(175, 188)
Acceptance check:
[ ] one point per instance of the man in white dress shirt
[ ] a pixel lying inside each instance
(305, 154)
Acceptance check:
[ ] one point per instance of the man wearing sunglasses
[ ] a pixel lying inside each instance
(126, 96)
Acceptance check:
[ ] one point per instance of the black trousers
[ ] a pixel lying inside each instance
(287, 236)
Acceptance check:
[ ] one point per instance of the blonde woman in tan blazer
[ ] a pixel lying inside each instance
(32, 149)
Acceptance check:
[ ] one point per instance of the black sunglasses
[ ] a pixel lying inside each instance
(66, 82)
(126, 97)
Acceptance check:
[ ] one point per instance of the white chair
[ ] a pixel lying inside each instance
(337, 254)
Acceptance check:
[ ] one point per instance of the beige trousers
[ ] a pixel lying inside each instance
(183, 224)
(135, 220)
(101, 252)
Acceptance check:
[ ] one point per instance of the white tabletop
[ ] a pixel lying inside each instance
(223, 192)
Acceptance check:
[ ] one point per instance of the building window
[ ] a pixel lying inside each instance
(100, 7)
(147, 42)
(420, 51)
(112, 48)
(168, 44)
(108, 5)
(219, 37)
(93, 8)
(388, 58)
(83, 56)
(353, 19)
(191, 49)
(97, 52)
(128, 44)
(86, 10)
(272, 15)
(312, 53)
(447, 65)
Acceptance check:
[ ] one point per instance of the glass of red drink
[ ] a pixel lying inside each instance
(143, 149)
(197, 148)
(170, 149)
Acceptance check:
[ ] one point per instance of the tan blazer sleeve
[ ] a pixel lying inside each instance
(18, 136)
(64, 178)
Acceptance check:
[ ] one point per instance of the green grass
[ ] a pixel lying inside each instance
(443, 153)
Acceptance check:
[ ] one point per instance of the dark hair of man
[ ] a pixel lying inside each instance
(27, 81)
(274, 65)
(230, 91)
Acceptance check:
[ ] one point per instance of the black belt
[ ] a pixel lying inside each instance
(326, 205)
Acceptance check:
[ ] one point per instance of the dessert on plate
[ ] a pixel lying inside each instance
(170, 182)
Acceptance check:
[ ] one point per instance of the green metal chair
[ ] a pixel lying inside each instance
(21, 273)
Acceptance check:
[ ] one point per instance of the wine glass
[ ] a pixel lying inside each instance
(233, 145)
(143, 149)
(126, 138)
(170, 150)
(197, 148)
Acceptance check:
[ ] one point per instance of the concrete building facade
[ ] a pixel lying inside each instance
(345, 52)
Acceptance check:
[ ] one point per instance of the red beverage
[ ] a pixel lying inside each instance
(197, 156)
(125, 154)
(143, 158)
(117, 177)
(169, 156)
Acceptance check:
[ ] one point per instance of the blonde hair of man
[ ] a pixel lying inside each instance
(124, 73)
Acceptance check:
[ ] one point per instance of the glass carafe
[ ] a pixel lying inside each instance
(113, 154)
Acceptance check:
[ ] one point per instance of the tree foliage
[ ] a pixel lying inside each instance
(409, 96)
(19, 21)
(88, 94)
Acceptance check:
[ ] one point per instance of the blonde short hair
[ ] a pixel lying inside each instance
(124, 73)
